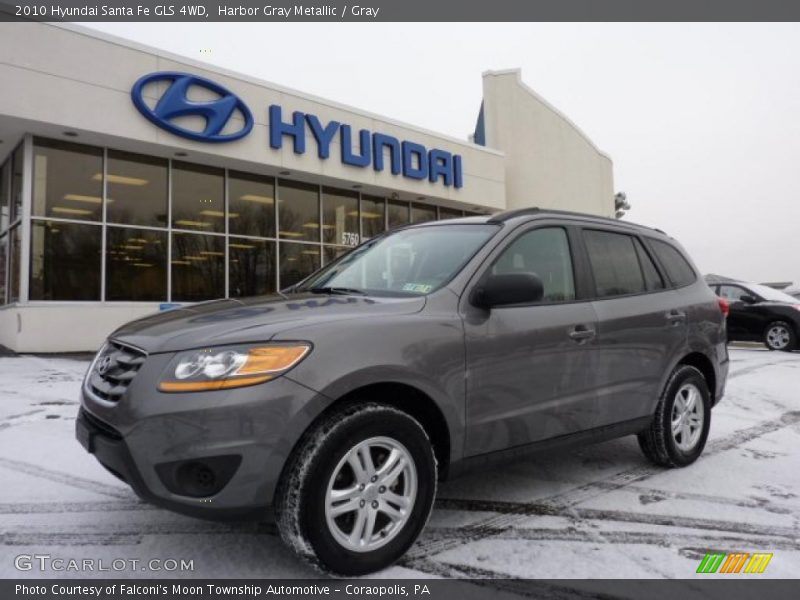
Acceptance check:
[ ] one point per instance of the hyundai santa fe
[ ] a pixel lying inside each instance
(335, 406)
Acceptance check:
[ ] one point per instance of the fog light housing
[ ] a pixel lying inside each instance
(198, 478)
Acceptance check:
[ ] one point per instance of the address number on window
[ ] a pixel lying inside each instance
(349, 238)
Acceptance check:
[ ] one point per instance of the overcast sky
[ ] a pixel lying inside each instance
(702, 121)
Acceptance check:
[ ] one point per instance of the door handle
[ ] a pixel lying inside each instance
(676, 317)
(580, 333)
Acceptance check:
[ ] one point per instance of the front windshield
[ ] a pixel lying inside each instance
(771, 294)
(414, 261)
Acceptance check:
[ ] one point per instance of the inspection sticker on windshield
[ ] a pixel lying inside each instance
(419, 288)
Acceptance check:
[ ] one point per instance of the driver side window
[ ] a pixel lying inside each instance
(546, 253)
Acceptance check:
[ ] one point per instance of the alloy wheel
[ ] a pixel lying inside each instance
(688, 415)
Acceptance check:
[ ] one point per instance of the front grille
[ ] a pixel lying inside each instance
(100, 426)
(114, 370)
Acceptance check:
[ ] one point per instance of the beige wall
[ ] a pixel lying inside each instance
(550, 163)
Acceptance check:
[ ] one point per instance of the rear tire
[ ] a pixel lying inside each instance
(779, 335)
(358, 489)
(678, 433)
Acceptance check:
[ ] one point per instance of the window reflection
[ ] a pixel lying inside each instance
(136, 264)
(14, 245)
(16, 184)
(5, 189)
(65, 261)
(421, 213)
(449, 213)
(198, 267)
(3, 256)
(340, 217)
(298, 261)
(67, 181)
(298, 211)
(252, 267)
(373, 216)
(198, 197)
(251, 201)
(136, 189)
(331, 253)
(397, 213)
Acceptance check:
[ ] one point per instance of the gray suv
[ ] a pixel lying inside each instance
(337, 404)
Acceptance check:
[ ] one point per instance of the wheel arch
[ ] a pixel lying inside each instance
(702, 363)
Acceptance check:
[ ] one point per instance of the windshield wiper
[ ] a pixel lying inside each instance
(342, 291)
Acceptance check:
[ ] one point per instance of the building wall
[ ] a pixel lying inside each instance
(549, 162)
(70, 78)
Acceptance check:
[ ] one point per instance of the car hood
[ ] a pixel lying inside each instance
(252, 319)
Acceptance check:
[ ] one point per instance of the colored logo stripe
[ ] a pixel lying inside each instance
(736, 562)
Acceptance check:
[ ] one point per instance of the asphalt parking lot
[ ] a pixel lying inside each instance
(596, 512)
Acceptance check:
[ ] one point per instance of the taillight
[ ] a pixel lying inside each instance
(724, 306)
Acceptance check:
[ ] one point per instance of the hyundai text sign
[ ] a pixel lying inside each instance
(362, 148)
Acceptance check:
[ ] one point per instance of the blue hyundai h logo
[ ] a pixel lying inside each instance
(175, 103)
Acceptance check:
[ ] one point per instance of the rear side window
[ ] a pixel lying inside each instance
(652, 279)
(615, 263)
(545, 252)
(678, 268)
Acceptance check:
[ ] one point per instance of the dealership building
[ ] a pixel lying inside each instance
(132, 180)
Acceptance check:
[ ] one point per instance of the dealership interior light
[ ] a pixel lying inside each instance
(121, 179)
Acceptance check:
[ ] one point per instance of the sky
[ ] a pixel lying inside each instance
(701, 120)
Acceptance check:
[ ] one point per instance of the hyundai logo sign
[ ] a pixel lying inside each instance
(175, 103)
(379, 150)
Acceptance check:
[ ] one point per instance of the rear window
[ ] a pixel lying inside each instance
(678, 268)
(615, 263)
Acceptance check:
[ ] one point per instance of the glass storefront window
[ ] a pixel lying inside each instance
(14, 249)
(252, 267)
(198, 197)
(198, 267)
(373, 216)
(3, 256)
(67, 180)
(136, 189)
(5, 192)
(421, 213)
(15, 201)
(298, 261)
(251, 202)
(298, 211)
(397, 213)
(331, 253)
(449, 213)
(340, 217)
(136, 264)
(65, 261)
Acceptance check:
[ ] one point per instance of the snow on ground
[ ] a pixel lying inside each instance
(595, 512)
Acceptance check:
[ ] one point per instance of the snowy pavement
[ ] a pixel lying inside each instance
(595, 512)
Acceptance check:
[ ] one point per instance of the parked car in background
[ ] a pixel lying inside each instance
(758, 313)
(341, 401)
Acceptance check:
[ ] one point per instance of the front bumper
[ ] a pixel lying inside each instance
(147, 435)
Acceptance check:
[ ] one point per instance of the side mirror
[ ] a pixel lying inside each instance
(748, 299)
(508, 288)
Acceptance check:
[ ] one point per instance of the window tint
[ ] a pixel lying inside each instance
(136, 264)
(298, 211)
(652, 279)
(252, 267)
(340, 217)
(65, 261)
(67, 181)
(546, 253)
(373, 214)
(198, 197)
(422, 214)
(615, 263)
(398, 213)
(678, 268)
(136, 189)
(198, 267)
(251, 205)
(297, 261)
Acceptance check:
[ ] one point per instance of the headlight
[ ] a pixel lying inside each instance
(230, 367)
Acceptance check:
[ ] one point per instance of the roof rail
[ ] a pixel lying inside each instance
(507, 215)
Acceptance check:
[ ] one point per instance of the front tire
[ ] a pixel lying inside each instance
(678, 433)
(358, 489)
(779, 335)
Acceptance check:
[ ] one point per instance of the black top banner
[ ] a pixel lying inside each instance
(399, 10)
